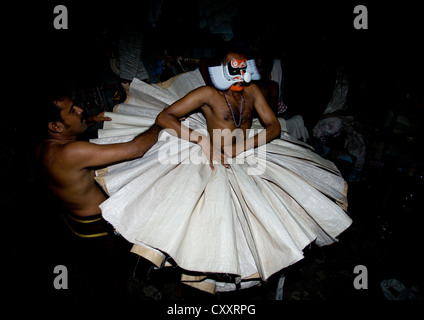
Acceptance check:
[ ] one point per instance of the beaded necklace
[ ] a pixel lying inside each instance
(241, 109)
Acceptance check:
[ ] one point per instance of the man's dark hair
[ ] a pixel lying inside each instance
(233, 47)
(50, 109)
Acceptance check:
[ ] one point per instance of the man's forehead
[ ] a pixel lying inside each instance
(236, 56)
(64, 104)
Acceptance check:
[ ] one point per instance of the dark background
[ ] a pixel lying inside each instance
(384, 64)
(315, 36)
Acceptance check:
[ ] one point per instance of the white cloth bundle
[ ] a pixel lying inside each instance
(227, 228)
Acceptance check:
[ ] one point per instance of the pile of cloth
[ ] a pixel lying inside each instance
(334, 126)
(226, 229)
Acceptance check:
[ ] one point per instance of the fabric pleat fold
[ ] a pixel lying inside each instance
(228, 228)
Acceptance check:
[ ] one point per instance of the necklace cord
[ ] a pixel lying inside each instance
(232, 113)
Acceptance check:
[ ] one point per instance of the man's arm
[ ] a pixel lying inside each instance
(86, 154)
(168, 118)
(269, 120)
(265, 113)
(100, 117)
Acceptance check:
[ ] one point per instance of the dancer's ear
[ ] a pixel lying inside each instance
(55, 127)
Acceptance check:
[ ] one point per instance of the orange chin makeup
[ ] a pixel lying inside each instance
(239, 86)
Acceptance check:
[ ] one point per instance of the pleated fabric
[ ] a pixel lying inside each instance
(228, 228)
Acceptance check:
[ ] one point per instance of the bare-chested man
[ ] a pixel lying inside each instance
(69, 167)
(70, 164)
(230, 106)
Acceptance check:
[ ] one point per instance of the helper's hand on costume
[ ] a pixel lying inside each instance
(212, 153)
(232, 150)
(99, 117)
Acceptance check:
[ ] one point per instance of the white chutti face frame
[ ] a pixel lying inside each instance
(223, 80)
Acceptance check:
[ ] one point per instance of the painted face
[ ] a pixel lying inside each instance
(236, 70)
(234, 74)
(236, 67)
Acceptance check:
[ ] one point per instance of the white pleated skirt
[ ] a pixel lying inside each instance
(228, 228)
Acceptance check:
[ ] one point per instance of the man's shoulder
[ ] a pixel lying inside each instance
(206, 89)
(71, 149)
(206, 94)
(251, 89)
(59, 155)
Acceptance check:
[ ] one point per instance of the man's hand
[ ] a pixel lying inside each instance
(213, 153)
(98, 117)
(233, 150)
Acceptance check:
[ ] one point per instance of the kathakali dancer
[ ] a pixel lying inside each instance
(229, 199)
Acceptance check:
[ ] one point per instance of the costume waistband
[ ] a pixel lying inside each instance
(86, 227)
